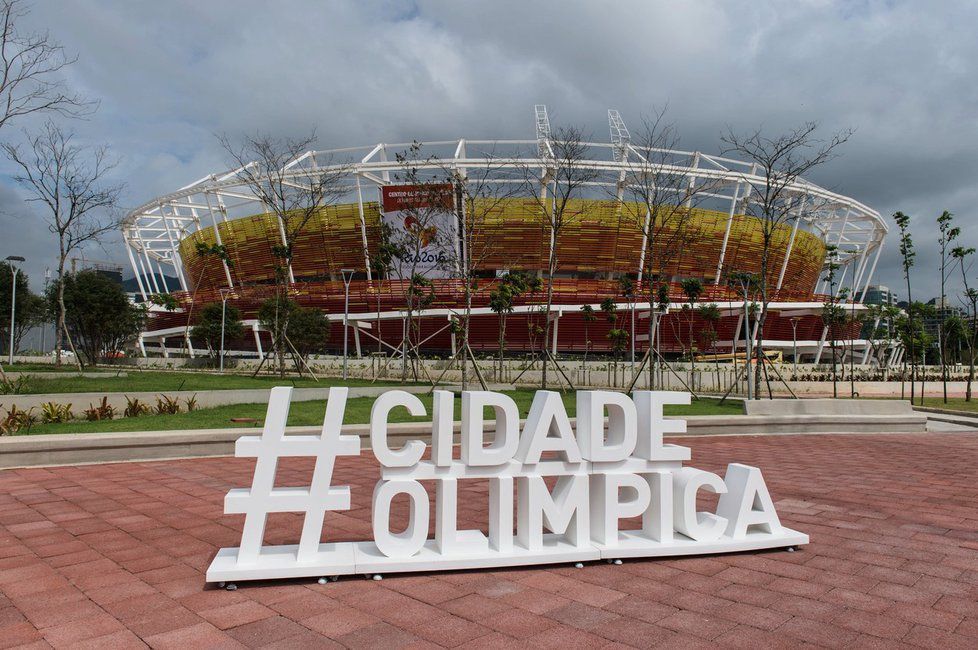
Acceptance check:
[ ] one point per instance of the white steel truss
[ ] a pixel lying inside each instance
(154, 230)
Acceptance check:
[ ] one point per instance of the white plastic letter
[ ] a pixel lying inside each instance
(547, 416)
(565, 511)
(620, 441)
(747, 502)
(608, 506)
(411, 452)
(442, 427)
(449, 538)
(501, 513)
(698, 526)
(657, 520)
(652, 424)
(412, 539)
(507, 438)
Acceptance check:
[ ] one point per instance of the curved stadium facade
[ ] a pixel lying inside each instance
(601, 243)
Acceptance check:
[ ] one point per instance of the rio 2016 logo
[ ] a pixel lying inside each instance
(425, 235)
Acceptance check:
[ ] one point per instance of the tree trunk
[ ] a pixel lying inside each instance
(971, 375)
(546, 329)
(502, 342)
(60, 326)
(759, 350)
(465, 335)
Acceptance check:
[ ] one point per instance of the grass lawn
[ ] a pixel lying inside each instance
(953, 403)
(311, 413)
(161, 381)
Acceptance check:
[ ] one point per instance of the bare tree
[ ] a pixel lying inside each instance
(478, 196)
(779, 162)
(564, 179)
(30, 64)
(420, 244)
(70, 181)
(659, 202)
(294, 186)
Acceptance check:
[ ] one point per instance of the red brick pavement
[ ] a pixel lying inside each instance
(114, 556)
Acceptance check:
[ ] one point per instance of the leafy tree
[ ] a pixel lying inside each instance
(711, 315)
(502, 297)
(627, 287)
(746, 285)
(913, 335)
(208, 327)
(308, 328)
(98, 314)
(167, 301)
(833, 313)
(382, 265)
(954, 334)
(617, 336)
(588, 315)
(692, 289)
(31, 309)
(961, 254)
(309, 331)
(880, 333)
(907, 254)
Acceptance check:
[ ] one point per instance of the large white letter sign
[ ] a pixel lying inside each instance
(600, 475)
(507, 428)
(547, 416)
(411, 453)
(619, 443)
(263, 498)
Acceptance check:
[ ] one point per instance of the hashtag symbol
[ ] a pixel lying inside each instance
(263, 498)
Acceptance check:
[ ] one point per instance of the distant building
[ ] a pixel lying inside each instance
(109, 270)
(943, 309)
(878, 294)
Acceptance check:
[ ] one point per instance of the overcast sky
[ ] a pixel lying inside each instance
(169, 75)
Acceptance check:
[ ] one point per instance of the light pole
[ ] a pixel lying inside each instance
(794, 345)
(224, 306)
(13, 301)
(347, 278)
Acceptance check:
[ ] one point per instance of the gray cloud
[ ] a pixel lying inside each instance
(171, 75)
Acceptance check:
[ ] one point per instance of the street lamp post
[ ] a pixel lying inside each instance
(794, 345)
(13, 302)
(347, 278)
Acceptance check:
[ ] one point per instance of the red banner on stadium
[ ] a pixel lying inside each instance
(415, 197)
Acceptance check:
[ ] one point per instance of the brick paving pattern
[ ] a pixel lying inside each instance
(113, 556)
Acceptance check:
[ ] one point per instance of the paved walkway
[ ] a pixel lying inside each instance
(113, 556)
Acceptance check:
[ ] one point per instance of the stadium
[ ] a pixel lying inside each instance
(603, 243)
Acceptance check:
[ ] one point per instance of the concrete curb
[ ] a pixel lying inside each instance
(69, 449)
(950, 416)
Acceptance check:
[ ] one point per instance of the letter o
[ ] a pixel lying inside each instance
(413, 538)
